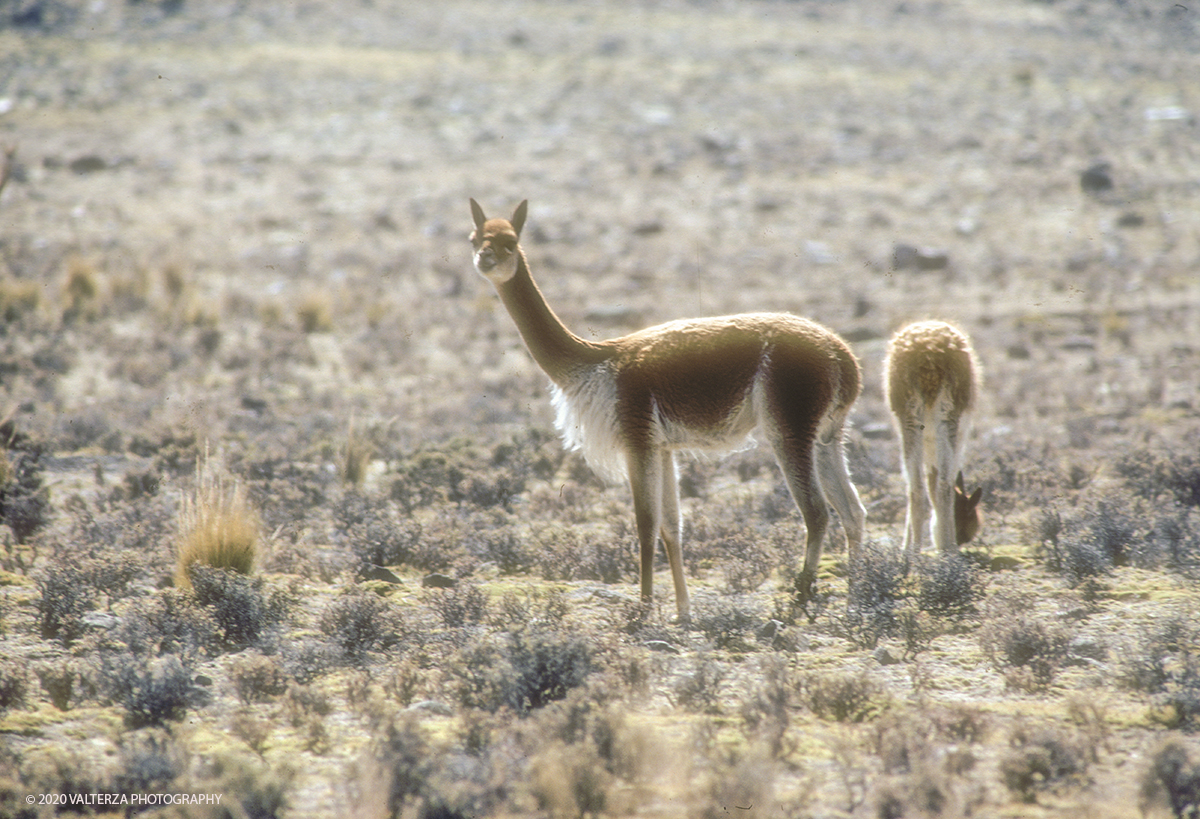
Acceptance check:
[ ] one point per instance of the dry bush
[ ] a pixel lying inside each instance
(521, 670)
(728, 626)
(217, 526)
(949, 586)
(24, 501)
(242, 608)
(171, 622)
(1027, 650)
(257, 678)
(14, 684)
(360, 621)
(843, 696)
(461, 606)
(152, 693)
(1172, 781)
(576, 553)
(19, 298)
(1042, 758)
(699, 689)
(1165, 662)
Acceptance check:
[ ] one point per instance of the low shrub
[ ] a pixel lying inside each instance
(1028, 651)
(242, 608)
(360, 621)
(257, 678)
(152, 693)
(948, 585)
(522, 670)
(1165, 662)
(460, 606)
(1041, 759)
(1172, 780)
(699, 690)
(843, 696)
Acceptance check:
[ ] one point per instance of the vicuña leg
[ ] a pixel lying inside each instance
(948, 454)
(916, 520)
(841, 494)
(672, 532)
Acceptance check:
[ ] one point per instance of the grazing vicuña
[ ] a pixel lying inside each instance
(931, 378)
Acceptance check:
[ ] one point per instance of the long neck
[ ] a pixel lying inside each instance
(556, 349)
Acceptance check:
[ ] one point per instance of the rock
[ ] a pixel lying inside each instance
(89, 163)
(438, 581)
(769, 631)
(885, 657)
(905, 257)
(661, 645)
(1097, 178)
(379, 573)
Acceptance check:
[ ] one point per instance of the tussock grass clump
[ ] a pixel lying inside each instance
(81, 289)
(355, 457)
(18, 298)
(315, 314)
(217, 527)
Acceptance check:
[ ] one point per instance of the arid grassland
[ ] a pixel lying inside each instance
(283, 516)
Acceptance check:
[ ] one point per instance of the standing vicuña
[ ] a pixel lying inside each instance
(931, 381)
(704, 384)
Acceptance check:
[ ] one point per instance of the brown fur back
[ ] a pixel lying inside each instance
(926, 358)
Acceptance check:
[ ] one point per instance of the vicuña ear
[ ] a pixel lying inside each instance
(975, 496)
(518, 217)
(959, 483)
(477, 214)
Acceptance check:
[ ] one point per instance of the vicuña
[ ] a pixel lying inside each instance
(631, 403)
(931, 378)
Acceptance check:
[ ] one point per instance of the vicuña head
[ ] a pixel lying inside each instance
(968, 519)
(631, 403)
(932, 378)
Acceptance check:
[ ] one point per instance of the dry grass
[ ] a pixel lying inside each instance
(218, 527)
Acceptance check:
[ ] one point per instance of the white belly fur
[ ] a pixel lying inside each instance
(586, 418)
